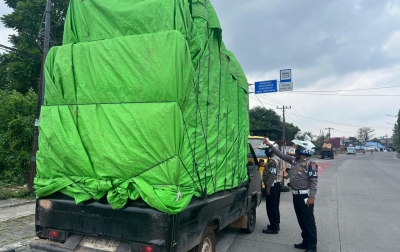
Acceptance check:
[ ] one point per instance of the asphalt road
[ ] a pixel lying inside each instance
(357, 209)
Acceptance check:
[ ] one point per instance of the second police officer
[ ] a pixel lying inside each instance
(273, 192)
(303, 182)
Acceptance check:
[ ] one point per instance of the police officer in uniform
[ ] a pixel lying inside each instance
(303, 181)
(273, 192)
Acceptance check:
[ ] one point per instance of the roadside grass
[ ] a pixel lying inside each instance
(398, 155)
(7, 192)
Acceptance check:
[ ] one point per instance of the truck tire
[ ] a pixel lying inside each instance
(285, 189)
(332, 157)
(322, 157)
(251, 219)
(208, 241)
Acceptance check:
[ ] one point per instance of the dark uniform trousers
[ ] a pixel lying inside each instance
(272, 204)
(305, 217)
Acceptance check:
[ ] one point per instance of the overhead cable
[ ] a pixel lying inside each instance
(343, 90)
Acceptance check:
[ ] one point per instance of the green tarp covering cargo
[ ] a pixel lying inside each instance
(142, 100)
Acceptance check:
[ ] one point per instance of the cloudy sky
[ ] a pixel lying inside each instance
(330, 46)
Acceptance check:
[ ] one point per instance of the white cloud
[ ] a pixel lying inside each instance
(393, 7)
(4, 32)
(361, 111)
(392, 45)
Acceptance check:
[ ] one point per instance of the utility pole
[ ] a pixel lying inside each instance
(283, 126)
(248, 103)
(329, 129)
(35, 145)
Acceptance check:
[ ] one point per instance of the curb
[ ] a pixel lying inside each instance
(15, 246)
(17, 204)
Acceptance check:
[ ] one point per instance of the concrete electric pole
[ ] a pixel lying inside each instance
(329, 131)
(46, 48)
(283, 126)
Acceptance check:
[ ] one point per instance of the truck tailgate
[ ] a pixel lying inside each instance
(135, 222)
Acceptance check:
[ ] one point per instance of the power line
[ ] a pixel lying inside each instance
(306, 119)
(259, 99)
(299, 124)
(6, 48)
(329, 129)
(344, 90)
(272, 99)
(344, 124)
(305, 122)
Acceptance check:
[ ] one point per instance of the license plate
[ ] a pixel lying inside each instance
(99, 243)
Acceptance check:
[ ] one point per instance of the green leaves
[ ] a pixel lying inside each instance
(267, 119)
(20, 70)
(16, 132)
(396, 134)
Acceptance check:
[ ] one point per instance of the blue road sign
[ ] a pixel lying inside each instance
(286, 75)
(268, 86)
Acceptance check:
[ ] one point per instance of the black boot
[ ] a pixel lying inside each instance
(300, 246)
(270, 227)
(270, 231)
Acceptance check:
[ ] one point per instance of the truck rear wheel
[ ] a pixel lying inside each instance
(322, 157)
(208, 242)
(251, 219)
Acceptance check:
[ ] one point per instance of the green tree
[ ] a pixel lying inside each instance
(20, 70)
(365, 134)
(291, 131)
(302, 135)
(375, 139)
(268, 120)
(396, 134)
(354, 141)
(265, 119)
(17, 113)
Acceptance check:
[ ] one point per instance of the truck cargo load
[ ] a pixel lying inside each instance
(142, 101)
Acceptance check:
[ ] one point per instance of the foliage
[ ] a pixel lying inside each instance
(396, 134)
(301, 135)
(354, 141)
(291, 131)
(319, 142)
(365, 134)
(6, 193)
(16, 132)
(20, 70)
(270, 122)
(375, 139)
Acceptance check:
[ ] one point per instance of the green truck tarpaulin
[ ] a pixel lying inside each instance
(142, 100)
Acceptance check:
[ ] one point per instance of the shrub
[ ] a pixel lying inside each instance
(16, 133)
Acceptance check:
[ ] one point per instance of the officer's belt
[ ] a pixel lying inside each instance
(300, 191)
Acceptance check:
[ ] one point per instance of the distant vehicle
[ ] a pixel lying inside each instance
(351, 151)
(327, 151)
